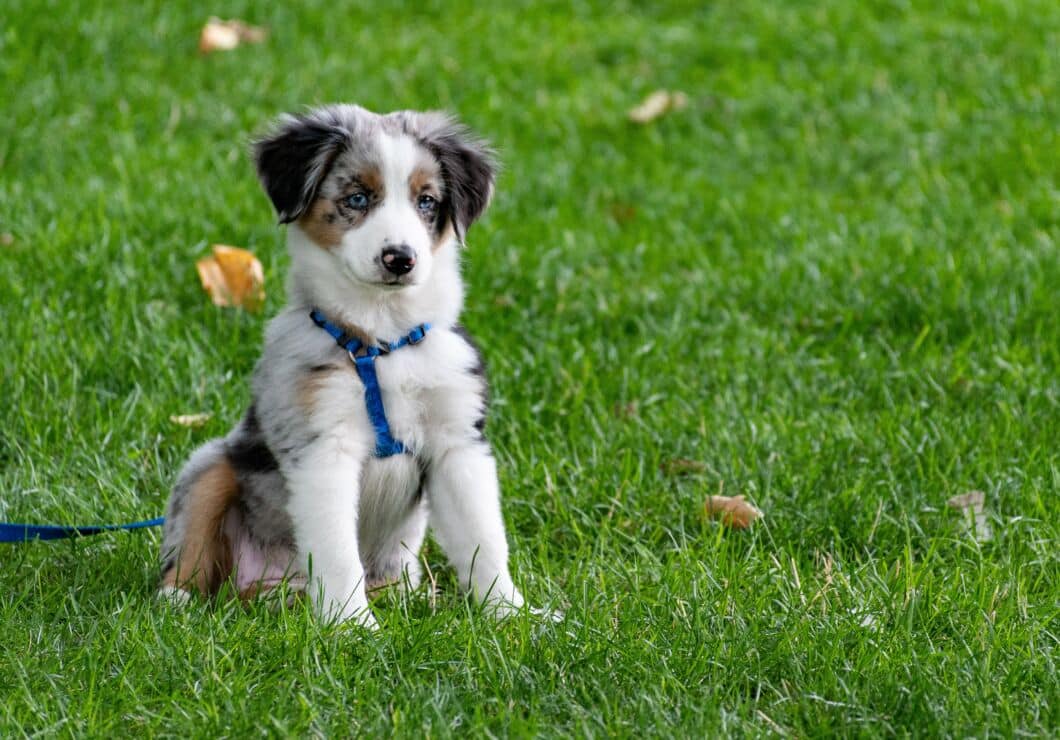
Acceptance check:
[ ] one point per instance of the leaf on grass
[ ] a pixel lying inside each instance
(7, 239)
(190, 420)
(220, 35)
(233, 277)
(732, 511)
(970, 505)
(657, 104)
(679, 465)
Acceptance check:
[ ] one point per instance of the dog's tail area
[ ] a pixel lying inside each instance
(196, 553)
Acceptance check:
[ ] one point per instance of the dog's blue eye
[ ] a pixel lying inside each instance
(358, 201)
(426, 203)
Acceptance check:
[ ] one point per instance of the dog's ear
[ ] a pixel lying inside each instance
(293, 160)
(468, 164)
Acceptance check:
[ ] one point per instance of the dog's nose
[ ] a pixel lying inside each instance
(399, 259)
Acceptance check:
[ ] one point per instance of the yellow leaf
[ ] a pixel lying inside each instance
(233, 277)
(732, 511)
(220, 35)
(657, 104)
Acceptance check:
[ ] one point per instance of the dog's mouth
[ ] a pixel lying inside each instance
(386, 282)
(393, 285)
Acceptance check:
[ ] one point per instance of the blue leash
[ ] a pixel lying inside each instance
(364, 356)
(27, 532)
(385, 444)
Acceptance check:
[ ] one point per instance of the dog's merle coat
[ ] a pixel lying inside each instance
(294, 491)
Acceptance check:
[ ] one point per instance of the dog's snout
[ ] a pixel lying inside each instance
(399, 259)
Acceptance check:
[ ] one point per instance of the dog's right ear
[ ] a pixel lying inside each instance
(293, 160)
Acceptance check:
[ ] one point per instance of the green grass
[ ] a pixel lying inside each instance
(833, 280)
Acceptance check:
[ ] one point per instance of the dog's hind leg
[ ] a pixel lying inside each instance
(196, 554)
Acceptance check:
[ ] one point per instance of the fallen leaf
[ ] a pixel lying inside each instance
(190, 420)
(679, 465)
(732, 511)
(233, 277)
(221, 35)
(657, 104)
(974, 515)
(7, 239)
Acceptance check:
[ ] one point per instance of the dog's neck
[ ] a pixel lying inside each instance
(375, 312)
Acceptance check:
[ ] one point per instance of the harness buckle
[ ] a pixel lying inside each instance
(417, 335)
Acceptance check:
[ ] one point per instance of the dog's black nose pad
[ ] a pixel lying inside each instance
(399, 259)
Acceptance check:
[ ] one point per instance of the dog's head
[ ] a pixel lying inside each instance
(380, 194)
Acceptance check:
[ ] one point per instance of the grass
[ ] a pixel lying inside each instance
(832, 281)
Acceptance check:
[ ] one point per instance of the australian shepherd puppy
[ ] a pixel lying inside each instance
(331, 478)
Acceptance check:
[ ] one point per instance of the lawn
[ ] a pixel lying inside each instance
(830, 283)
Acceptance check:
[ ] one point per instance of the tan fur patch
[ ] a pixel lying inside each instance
(324, 224)
(205, 558)
(426, 178)
(371, 179)
(309, 387)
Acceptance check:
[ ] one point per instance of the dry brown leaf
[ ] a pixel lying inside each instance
(190, 420)
(679, 465)
(732, 511)
(657, 104)
(221, 35)
(7, 239)
(233, 277)
(972, 503)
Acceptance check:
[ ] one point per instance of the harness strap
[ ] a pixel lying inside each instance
(10, 532)
(363, 357)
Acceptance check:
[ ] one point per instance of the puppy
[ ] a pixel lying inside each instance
(369, 399)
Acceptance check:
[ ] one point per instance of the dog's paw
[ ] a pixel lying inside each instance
(173, 595)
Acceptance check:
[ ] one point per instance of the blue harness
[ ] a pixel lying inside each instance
(363, 357)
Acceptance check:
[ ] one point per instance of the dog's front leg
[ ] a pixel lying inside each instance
(324, 491)
(464, 500)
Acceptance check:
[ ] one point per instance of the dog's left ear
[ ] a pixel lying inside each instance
(469, 167)
(293, 160)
